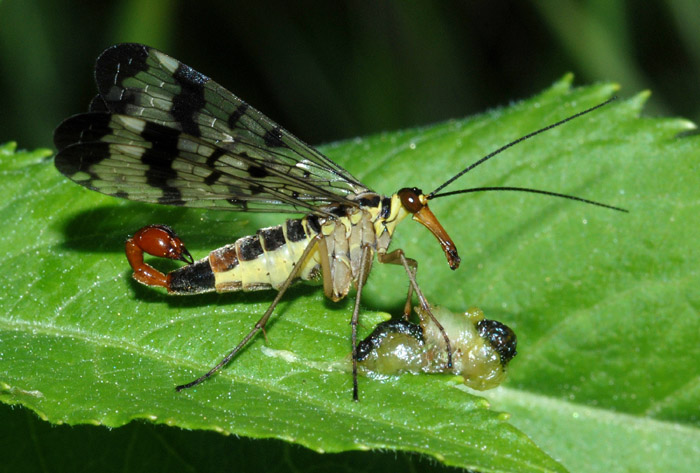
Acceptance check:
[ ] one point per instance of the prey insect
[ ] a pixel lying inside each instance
(482, 348)
(158, 131)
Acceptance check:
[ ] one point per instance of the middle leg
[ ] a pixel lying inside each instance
(365, 264)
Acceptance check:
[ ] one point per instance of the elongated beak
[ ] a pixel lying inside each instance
(427, 218)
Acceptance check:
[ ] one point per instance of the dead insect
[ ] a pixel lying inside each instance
(481, 348)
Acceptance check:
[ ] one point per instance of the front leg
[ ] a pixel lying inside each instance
(411, 266)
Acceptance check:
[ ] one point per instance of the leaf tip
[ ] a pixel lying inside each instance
(563, 84)
(640, 99)
(8, 147)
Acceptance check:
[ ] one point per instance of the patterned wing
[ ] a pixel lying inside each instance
(159, 131)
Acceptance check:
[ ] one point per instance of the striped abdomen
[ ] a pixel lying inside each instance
(260, 261)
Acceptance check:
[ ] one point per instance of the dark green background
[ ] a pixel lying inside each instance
(330, 70)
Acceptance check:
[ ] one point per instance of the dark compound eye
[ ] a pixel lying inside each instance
(410, 198)
(501, 337)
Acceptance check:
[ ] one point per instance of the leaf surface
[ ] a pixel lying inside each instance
(604, 303)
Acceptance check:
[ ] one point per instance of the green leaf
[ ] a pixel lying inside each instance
(604, 303)
(83, 343)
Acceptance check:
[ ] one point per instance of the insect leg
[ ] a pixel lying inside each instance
(364, 266)
(410, 265)
(260, 324)
(413, 265)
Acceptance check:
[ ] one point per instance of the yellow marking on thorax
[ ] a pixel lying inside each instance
(384, 227)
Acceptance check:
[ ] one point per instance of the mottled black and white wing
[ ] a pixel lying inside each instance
(159, 131)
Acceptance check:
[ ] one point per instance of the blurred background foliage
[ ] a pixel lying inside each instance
(328, 70)
(334, 70)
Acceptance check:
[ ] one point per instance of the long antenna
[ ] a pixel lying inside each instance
(531, 191)
(433, 194)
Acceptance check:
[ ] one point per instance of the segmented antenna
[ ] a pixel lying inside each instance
(531, 191)
(434, 193)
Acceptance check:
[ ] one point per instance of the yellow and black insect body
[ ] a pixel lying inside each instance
(158, 131)
(265, 260)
